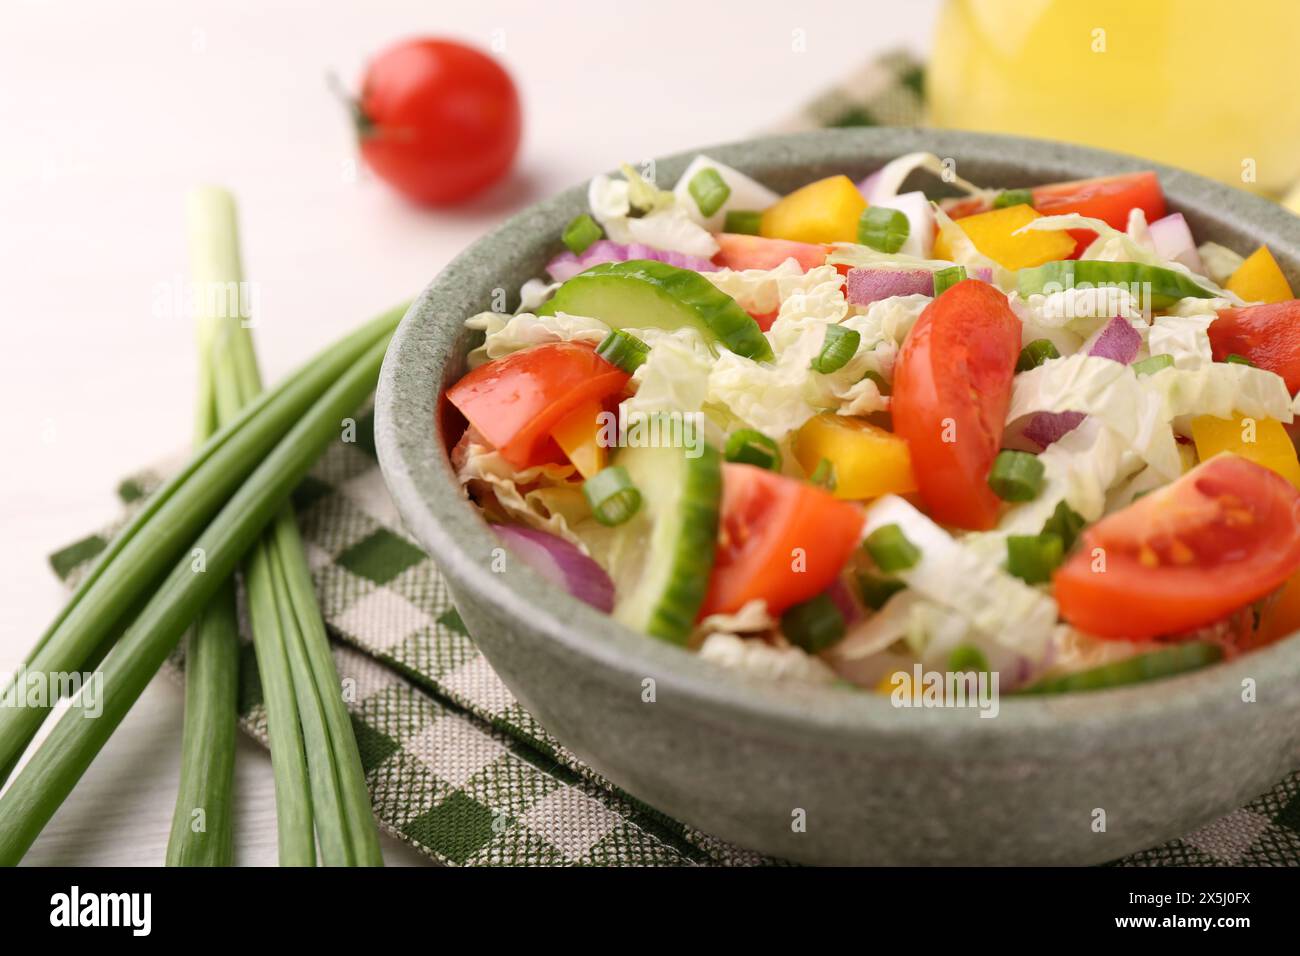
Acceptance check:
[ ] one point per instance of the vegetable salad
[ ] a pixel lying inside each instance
(835, 434)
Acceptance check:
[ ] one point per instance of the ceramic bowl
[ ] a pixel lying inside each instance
(824, 775)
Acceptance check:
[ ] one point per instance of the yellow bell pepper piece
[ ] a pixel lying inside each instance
(577, 434)
(992, 233)
(1261, 440)
(1260, 279)
(868, 461)
(825, 211)
(886, 684)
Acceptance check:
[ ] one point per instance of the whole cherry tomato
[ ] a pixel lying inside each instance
(438, 120)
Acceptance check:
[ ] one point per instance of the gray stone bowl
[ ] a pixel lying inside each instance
(745, 760)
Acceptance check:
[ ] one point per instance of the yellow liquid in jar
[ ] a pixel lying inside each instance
(1207, 85)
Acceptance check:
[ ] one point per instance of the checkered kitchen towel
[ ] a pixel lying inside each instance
(456, 767)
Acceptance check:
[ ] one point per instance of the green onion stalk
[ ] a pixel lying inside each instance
(138, 559)
(42, 785)
(202, 827)
(320, 783)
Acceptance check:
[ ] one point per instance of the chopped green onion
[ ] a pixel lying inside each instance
(708, 190)
(946, 278)
(580, 233)
(891, 550)
(612, 496)
(883, 229)
(876, 590)
(823, 475)
(1155, 363)
(1033, 557)
(749, 446)
(1065, 523)
(42, 785)
(965, 658)
(1035, 354)
(881, 385)
(743, 222)
(815, 624)
(1236, 359)
(839, 346)
(1013, 197)
(1016, 476)
(623, 350)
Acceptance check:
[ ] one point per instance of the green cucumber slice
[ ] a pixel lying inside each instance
(643, 294)
(1167, 286)
(1141, 667)
(663, 574)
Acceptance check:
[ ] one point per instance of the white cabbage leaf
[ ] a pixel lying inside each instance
(1110, 392)
(759, 291)
(1012, 614)
(667, 226)
(1184, 338)
(1221, 389)
(777, 397)
(746, 194)
(761, 659)
(1220, 262)
(510, 333)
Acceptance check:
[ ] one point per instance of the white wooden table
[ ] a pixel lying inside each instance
(110, 112)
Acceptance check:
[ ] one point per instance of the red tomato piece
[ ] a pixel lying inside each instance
(1187, 555)
(952, 389)
(515, 401)
(438, 120)
(1268, 335)
(1109, 198)
(779, 539)
(737, 251)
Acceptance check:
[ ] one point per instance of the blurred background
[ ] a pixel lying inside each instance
(112, 111)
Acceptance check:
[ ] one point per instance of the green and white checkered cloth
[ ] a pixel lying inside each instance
(456, 767)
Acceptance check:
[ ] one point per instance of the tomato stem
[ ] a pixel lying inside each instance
(362, 123)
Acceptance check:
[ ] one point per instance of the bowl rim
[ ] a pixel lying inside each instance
(418, 474)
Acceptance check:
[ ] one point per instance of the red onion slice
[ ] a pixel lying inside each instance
(1173, 240)
(866, 285)
(561, 562)
(1117, 341)
(1046, 427)
(567, 265)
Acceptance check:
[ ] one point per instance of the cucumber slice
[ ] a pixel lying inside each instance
(1141, 667)
(643, 294)
(1167, 286)
(667, 554)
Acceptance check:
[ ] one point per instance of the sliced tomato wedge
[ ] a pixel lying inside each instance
(1187, 555)
(779, 539)
(1108, 198)
(737, 251)
(515, 401)
(952, 388)
(1268, 335)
